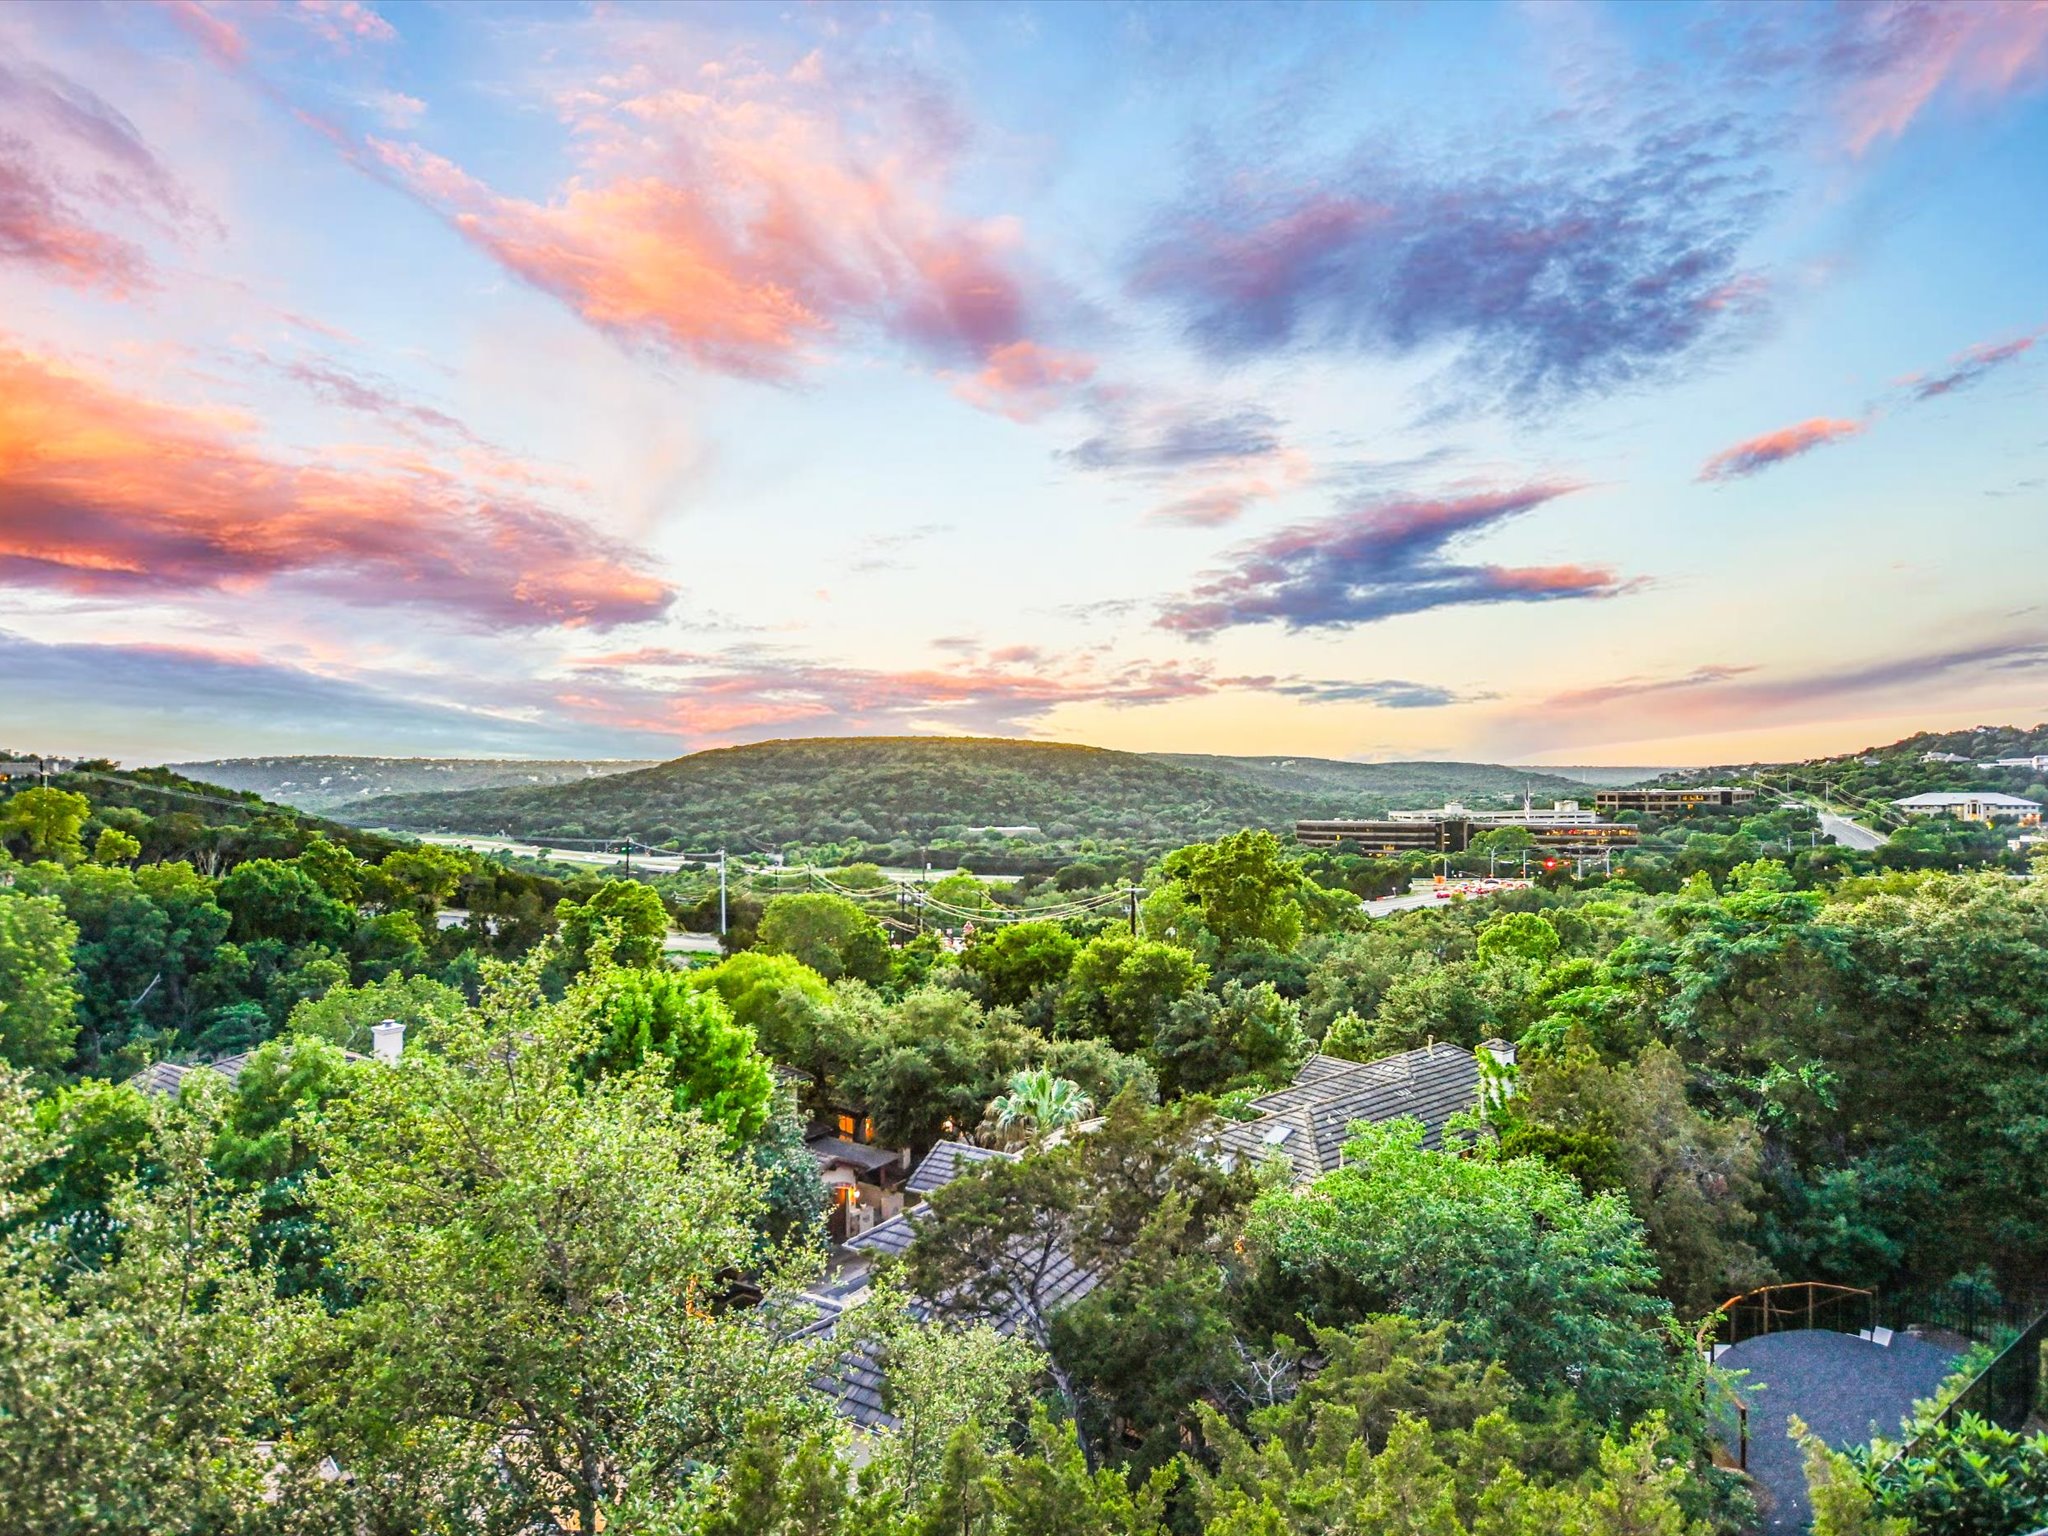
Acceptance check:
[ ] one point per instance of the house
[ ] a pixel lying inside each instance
(387, 1044)
(1972, 805)
(1309, 1122)
(1943, 757)
(2038, 764)
(1306, 1123)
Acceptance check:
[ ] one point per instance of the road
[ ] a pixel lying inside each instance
(659, 863)
(1848, 833)
(1424, 894)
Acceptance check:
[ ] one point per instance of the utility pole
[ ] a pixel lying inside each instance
(721, 893)
(1134, 911)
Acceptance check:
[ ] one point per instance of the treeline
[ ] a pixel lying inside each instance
(144, 925)
(549, 1273)
(903, 800)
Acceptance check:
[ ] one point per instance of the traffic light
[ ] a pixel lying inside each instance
(1550, 863)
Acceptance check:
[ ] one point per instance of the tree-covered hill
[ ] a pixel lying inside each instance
(322, 783)
(914, 789)
(907, 788)
(1380, 786)
(1927, 762)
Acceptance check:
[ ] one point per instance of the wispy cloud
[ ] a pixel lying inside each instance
(1736, 697)
(1594, 271)
(1893, 60)
(742, 693)
(68, 162)
(1757, 453)
(107, 492)
(1772, 448)
(1378, 560)
(1207, 463)
(167, 701)
(1967, 367)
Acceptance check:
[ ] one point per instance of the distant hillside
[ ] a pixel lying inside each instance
(324, 783)
(1925, 763)
(921, 789)
(1373, 787)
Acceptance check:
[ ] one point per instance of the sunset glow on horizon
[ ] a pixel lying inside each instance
(1533, 383)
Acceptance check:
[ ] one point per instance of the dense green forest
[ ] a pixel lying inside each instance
(875, 794)
(327, 783)
(550, 1272)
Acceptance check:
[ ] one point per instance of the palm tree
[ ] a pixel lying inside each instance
(1039, 1104)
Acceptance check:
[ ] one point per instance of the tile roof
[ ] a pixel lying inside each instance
(167, 1077)
(1309, 1122)
(856, 1379)
(944, 1163)
(837, 1149)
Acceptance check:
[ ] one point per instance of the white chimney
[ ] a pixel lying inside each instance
(387, 1040)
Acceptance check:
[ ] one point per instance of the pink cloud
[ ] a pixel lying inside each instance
(1759, 453)
(745, 693)
(1023, 381)
(1970, 365)
(1901, 57)
(107, 492)
(749, 222)
(69, 162)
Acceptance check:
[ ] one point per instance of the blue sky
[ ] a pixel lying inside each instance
(1523, 382)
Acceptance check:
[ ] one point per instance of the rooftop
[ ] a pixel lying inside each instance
(1309, 1122)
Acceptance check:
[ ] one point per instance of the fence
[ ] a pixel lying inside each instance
(1798, 1305)
(1784, 1308)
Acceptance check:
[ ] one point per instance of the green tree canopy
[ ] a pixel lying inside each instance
(829, 934)
(1528, 1270)
(628, 913)
(655, 1018)
(48, 821)
(38, 1002)
(539, 1257)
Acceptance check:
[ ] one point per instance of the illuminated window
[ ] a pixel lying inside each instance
(846, 1126)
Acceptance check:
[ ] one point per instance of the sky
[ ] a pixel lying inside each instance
(1538, 383)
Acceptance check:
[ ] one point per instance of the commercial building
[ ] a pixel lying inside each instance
(1562, 813)
(1440, 833)
(1971, 805)
(1661, 802)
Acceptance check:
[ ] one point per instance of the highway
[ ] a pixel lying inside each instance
(1846, 832)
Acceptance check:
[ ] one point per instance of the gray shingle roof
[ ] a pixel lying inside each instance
(943, 1164)
(167, 1077)
(1309, 1122)
(856, 1378)
(836, 1149)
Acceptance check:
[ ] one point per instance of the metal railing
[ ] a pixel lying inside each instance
(1795, 1306)
(1798, 1304)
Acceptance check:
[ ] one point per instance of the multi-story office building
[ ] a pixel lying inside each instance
(1665, 801)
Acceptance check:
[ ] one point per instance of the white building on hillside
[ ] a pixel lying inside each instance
(1971, 805)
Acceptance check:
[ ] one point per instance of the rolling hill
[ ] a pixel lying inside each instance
(920, 789)
(324, 783)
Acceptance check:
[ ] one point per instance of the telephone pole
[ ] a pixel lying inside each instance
(721, 893)
(1134, 911)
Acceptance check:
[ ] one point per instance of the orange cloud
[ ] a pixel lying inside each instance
(1758, 453)
(1024, 380)
(103, 491)
(748, 220)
